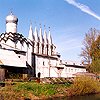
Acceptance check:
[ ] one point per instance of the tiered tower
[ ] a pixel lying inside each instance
(41, 43)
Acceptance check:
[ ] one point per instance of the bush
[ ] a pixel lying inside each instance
(84, 85)
(95, 66)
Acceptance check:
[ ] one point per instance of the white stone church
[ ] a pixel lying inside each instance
(31, 56)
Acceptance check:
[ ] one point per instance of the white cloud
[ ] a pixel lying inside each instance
(83, 8)
(69, 49)
(68, 44)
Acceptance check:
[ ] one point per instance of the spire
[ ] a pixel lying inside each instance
(41, 38)
(45, 35)
(11, 11)
(30, 37)
(36, 34)
(49, 37)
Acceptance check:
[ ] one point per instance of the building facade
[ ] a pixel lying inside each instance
(32, 56)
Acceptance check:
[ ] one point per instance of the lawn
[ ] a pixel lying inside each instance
(31, 90)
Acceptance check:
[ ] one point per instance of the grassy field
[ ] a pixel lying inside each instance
(32, 90)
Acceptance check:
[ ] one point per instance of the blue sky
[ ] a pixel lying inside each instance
(69, 20)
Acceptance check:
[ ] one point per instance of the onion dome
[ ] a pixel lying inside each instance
(11, 18)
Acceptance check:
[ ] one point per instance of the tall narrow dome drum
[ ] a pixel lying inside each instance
(11, 23)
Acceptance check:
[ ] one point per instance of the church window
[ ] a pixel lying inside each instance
(66, 69)
(0, 46)
(42, 49)
(71, 70)
(47, 49)
(51, 50)
(43, 63)
(18, 56)
(38, 47)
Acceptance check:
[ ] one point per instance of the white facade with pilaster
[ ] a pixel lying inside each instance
(37, 51)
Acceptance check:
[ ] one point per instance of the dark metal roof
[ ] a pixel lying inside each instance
(76, 66)
(45, 56)
(15, 37)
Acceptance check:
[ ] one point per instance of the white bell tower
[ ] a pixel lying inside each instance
(11, 23)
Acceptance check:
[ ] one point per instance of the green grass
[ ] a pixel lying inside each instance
(36, 89)
(31, 90)
(17, 90)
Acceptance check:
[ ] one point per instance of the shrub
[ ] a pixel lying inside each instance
(84, 85)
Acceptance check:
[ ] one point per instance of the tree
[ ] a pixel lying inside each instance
(95, 55)
(95, 49)
(89, 39)
(95, 66)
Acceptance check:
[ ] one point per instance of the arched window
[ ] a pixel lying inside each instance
(42, 48)
(37, 47)
(43, 63)
(33, 47)
(47, 49)
(51, 49)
